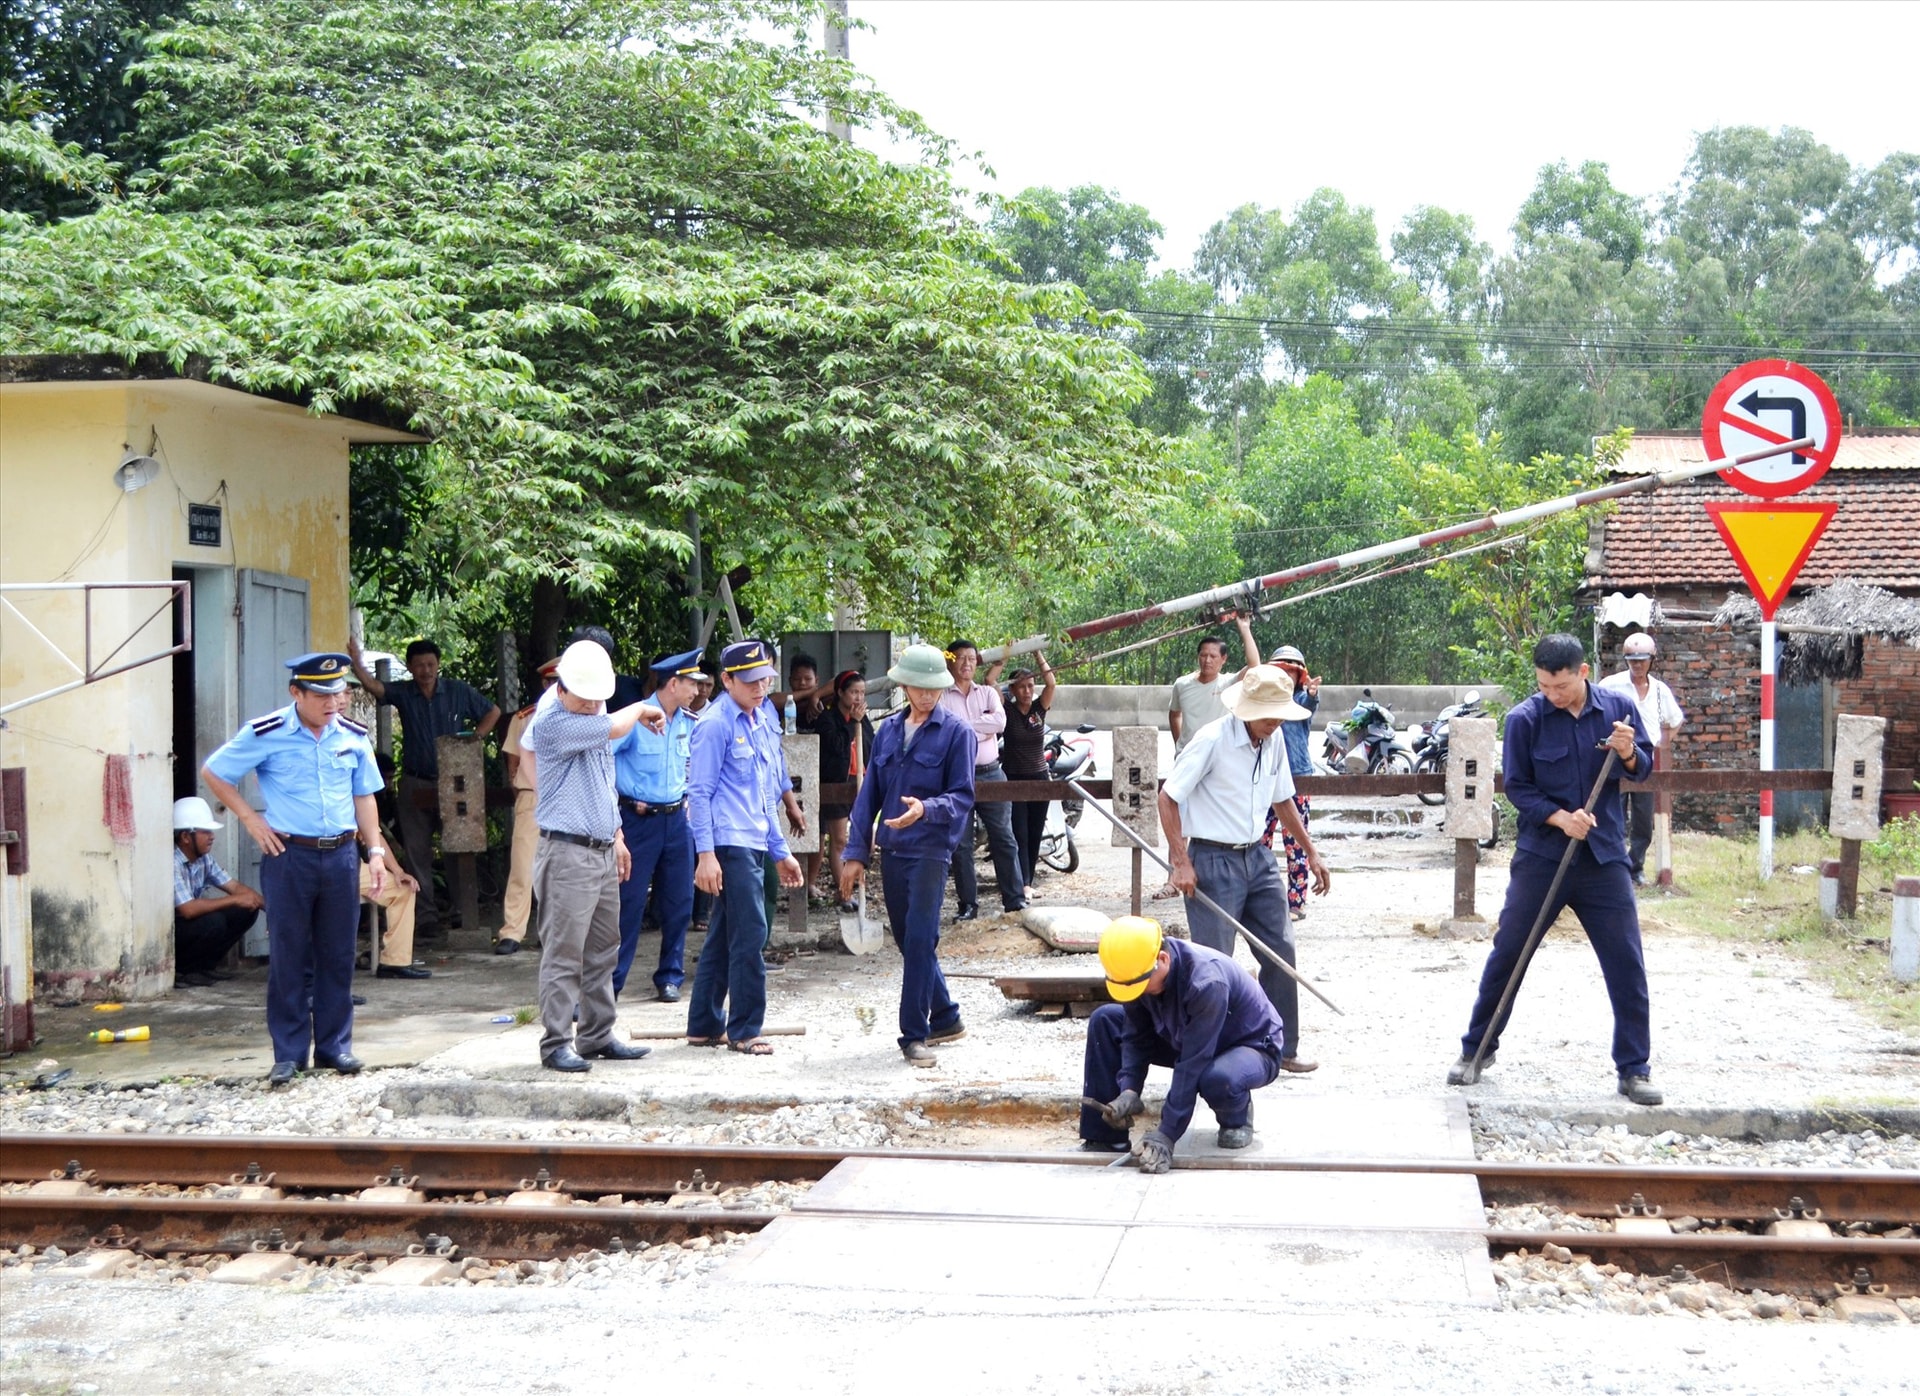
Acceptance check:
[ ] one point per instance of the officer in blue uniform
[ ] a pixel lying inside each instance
(650, 772)
(317, 779)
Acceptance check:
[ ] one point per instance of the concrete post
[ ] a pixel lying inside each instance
(1830, 889)
(802, 750)
(1136, 784)
(1906, 929)
(1858, 772)
(1470, 745)
(463, 825)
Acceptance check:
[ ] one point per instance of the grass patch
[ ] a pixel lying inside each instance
(525, 1014)
(1719, 893)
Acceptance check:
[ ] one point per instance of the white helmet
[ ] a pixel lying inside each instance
(192, 812)
(587, 671)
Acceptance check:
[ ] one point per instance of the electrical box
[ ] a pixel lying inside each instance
(868, 651)
(1136, 784)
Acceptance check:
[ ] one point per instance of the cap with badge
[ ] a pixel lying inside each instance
(324, 672)
(747, 662)
(677, 666)
(551, 667)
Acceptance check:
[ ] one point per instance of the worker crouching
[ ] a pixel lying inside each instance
(1179, 1005)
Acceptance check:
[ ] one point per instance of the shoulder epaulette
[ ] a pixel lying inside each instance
(527, 711)
(270, 723)
(356, 728)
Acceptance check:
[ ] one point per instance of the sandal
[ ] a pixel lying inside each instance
(752, 1047)
(706, 1041)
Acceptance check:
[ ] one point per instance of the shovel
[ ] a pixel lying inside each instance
(861, 936)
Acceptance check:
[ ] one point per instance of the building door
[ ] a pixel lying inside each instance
(272, 613)
(1799, 744)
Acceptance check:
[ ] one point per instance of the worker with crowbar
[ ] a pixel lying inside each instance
(1562, 746)
(1181, 1005)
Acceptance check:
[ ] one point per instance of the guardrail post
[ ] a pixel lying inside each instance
(1136, 793)
(1906, 929)
(802, 750)
(1854, 817)
(1469, 814)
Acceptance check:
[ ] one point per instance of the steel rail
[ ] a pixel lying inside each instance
(1740, 1261)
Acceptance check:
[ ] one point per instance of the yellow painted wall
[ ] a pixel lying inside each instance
(103, 922)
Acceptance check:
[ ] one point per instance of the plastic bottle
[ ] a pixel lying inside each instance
(139, 1034)
(792, 718)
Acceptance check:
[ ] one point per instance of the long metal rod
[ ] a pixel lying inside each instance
(1498, 1021)
(1220, 596)
(1259, 947)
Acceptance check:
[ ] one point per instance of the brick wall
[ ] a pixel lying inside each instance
(1889, 687)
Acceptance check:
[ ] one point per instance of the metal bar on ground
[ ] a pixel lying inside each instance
(1258, 946)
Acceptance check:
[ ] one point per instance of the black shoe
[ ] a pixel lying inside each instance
(506, 947)
(1640, 1090)
(1235, 1137)
(1464, 1073)
(282, 1074)
(194, 979)
(358, 1000)
(220, 974)
(668, 993)
(952, 1034)
(969, 911)
(919, 1054)
(1095, 1146)
(771, 966)
(565, 1059)
(621, 1052)
(346, 1064)
(402, 972)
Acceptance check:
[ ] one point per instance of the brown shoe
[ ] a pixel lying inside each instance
(1298, 1067)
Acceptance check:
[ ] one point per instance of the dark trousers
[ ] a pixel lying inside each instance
(1029, 824)
(1227, 1086)
(661, 846)
(997, 815)
(730, 982)
(913, 888)
(1639, 829)
(201, 942)
(1247, 884)
(1601, 895)
(313, 919)
(416, 835)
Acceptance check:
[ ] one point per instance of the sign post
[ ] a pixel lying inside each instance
(1771, 402)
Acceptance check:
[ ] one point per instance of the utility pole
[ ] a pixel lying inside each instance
(849, 607)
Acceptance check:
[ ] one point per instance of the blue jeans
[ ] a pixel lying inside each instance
(313, 917)
(730, 982)
(914, 888)
(1227, 1086)
(997, 815)
(662, 849)
(1601, 895)
(1248, 885)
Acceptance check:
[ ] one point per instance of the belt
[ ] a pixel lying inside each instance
(325, 845)
(1227, 847)
(647, 811)
(581, 839)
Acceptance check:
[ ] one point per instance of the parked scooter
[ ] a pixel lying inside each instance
(1368, 743)
(1068, 757)
(1430, 741)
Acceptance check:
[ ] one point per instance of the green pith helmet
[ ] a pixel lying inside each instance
(922, 666)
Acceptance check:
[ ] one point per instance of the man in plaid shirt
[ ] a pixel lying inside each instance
(211, 911)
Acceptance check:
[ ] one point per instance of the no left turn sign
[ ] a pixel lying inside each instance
(1768, 403)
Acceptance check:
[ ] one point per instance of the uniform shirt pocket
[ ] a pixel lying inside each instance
(1555, 772)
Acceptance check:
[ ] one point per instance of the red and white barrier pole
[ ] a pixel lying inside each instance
(1767, 631)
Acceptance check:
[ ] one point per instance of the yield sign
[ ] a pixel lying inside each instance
(1771, 543)
(1768, 403)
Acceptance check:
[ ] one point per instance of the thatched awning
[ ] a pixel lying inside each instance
(1826, 631)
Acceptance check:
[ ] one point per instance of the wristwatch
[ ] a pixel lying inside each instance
(376, 852)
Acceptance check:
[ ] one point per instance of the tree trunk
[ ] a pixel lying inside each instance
(549, 613)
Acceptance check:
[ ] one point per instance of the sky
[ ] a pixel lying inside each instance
(1194, 108)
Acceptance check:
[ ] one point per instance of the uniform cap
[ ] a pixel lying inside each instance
(922, 666)
(322, 672)
(552, 666)
(678, 666)
(1640, 645)
(747, 662)
(1129, 949)
(587, 671)
(192, 812)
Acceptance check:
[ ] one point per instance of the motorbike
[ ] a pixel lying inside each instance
(1068, 757)
(1430, 741)
(1368, 743)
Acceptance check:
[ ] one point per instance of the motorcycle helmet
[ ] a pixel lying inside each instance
(1288, 654)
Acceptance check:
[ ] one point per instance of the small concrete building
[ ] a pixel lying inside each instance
(1663, 544)
(241, 495)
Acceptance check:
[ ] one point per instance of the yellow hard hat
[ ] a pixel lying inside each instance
(1129, 948)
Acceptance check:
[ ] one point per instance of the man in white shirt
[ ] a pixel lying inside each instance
(1195, 700)
(1213, 808)
(1660, 714)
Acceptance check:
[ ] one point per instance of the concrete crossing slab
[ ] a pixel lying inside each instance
(1306, 1265)
(983, 1259)
(1293, 1124)
(1053, 1192)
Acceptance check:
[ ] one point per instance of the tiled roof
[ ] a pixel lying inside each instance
(1665, 538)
(1877, 448)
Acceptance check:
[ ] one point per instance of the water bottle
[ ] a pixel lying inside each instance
(792, 716)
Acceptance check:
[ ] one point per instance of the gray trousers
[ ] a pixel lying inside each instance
(578, 890)
(1249, 885)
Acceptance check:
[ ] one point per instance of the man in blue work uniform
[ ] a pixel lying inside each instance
(1556, 742)
(1187, 1007)
(650, 771)
(317, 779)
(733, 803)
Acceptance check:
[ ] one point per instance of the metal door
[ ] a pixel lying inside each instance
(1799, 745)
(272, 612)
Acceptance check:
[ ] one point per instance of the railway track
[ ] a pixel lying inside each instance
(319, 1198)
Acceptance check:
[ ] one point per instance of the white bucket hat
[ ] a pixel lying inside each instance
(587, 671)
(192, 812)
(1263, 692)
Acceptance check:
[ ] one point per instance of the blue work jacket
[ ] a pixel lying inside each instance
(937, 770)
(1551, 759)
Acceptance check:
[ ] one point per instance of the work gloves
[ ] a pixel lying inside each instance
(1156, 1152)
(1119, 1111)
